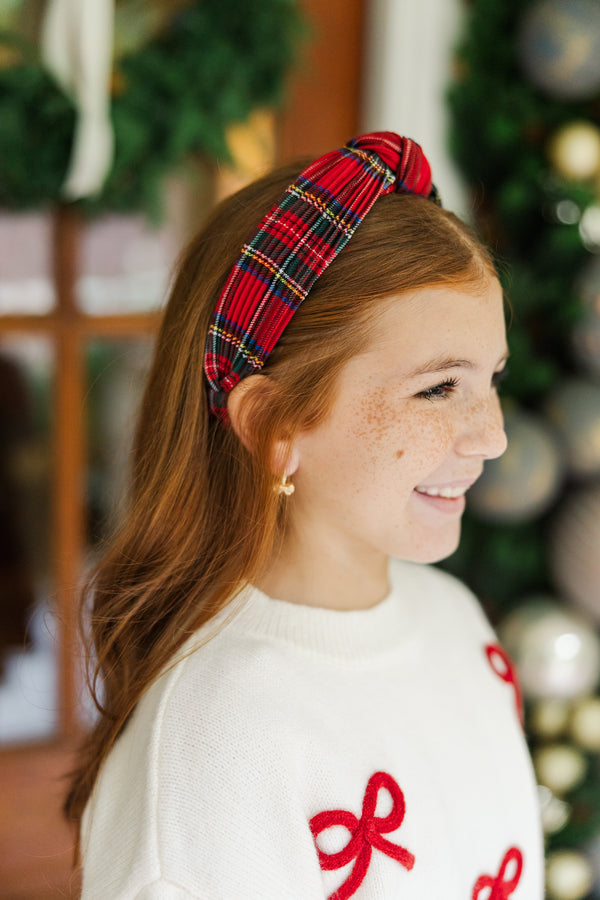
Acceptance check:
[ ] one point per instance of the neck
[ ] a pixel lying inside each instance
(311, 569)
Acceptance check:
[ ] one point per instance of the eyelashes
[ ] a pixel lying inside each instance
(445, 388)
(440, 391)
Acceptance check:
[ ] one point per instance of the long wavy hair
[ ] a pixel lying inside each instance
(203, 518)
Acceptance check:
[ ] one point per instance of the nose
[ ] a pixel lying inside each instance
(483, 432)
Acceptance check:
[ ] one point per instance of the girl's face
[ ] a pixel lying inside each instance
(414, 417)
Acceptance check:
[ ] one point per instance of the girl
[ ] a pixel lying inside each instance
(293, 705)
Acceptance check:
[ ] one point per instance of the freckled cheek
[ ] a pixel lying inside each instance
(380, 431)
(372, 414)
(372, 426)
(425, 440)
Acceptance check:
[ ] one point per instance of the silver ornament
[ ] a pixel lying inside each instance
(586, 334)
(574, 410)
(556, 652)
(525, 480)
(558, 45)
(589, 228)
(592, 852)
(554, 812)
(574, 550)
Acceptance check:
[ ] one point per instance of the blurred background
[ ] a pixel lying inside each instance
(121, 124)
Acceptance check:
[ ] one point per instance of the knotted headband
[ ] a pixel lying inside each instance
(294, 244)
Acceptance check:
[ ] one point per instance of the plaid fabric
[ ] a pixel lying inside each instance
(294, 244)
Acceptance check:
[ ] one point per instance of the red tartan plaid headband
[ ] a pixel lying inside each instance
(294, 244)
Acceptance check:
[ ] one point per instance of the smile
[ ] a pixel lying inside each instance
(445, 498)
(447, 492)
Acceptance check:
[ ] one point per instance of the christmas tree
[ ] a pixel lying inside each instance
(525, 107)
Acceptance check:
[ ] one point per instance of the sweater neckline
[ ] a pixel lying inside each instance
(340, 634)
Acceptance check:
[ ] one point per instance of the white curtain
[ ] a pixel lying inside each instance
(408, 66)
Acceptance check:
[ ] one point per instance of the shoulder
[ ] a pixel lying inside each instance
(440, 596)
(216, 715)
(215, 697)
(226, 772)
(230, 676)
(201, 784)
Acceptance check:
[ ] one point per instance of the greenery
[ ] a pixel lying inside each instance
(501, 128)
(36, 126)
(210, 66)
(501, 125)
(500, 132)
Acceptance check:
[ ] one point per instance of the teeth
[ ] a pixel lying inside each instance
(448, 492)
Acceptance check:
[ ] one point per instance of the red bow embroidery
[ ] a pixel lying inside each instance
(366, 834)
(500, 889)
(504, 667)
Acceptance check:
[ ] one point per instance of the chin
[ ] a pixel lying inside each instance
(433, 551)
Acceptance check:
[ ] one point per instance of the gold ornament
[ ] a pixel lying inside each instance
(560, 767)
(568, 875)
(549, 718)
(252, 145)
(574, 150)
(585, 723)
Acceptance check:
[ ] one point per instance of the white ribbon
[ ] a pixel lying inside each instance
(77, 41)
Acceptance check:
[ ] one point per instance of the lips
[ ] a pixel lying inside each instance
(447, 498)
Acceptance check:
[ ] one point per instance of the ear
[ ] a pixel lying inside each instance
(238, 407)
(284, 458)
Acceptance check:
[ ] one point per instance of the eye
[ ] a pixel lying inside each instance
(440, 391)
(498, 377)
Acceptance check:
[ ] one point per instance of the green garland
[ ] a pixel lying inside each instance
(215, 62)
(36, 127)
(501, 127)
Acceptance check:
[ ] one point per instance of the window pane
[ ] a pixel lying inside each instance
(25, 264)
(125, 265)
(28, 658)
(117, 371)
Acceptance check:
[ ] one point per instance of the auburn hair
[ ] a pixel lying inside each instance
(202, 517)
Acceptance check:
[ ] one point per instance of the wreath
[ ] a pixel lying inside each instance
(207, 65)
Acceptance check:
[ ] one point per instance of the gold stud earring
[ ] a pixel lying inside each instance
(285, 487)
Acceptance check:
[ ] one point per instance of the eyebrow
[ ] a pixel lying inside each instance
(442, 363)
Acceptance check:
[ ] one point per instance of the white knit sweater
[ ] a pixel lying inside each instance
(389, 736)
